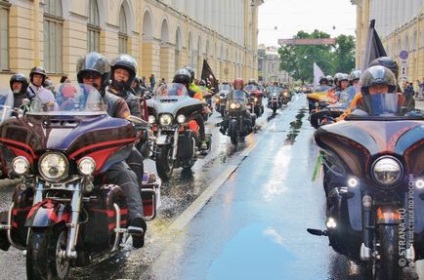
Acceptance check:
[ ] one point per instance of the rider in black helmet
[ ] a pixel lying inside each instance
(390, 63)
(19, 85)
(93, 69)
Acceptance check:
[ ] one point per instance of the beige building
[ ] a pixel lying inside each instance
(161, 35)
(269, 66)
(400, 25)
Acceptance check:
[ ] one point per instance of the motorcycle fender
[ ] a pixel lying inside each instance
(162, 140)
(388, 215)
(48, 213)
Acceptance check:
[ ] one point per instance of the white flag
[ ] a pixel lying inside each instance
(317, 74)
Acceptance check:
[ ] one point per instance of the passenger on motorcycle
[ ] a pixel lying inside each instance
(185, 76)
(94, 69)
(37, 77)
(19, 85)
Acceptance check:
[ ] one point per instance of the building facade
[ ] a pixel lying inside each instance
(161, 35)
(269, 66)
(400, 26)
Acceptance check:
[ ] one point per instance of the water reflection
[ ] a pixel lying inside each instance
(295, 128)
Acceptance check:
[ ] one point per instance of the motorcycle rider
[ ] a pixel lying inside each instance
(37, 77)
(238, 84)
(389, 63)
(94, 69)
(19, 85)
(375, 82)
(185, 76)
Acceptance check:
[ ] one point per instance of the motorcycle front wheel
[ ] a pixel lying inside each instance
(45, 254)
(164, 164)
(387, 266)
(233, 133)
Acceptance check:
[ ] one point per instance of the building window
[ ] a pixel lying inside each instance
(93, 27)
(53, 26)
(122, 35)
(4, 35)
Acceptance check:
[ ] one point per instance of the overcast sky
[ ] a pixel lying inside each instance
(282, 19)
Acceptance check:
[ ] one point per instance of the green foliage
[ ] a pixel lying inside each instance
(298, 60)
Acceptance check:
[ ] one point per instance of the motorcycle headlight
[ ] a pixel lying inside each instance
(86, 166)
(53, 166)
(152, 119)
(235, 105)
(20, 165)
(286, 94)
(165, 119)
(387, 171)
(181, 119)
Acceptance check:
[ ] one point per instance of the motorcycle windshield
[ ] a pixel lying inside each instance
(225, 87)
(250, 88)
(171, 90)
(6, 104)
(380, 105)
(238, 96)
(70, 99)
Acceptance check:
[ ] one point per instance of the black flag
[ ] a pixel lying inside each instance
(374, 48)
(208, 76)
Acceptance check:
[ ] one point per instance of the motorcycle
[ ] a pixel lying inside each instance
(274, 99)
(374, 185)
(171, 113)
(238, 122)
(221, 98)
(285, 96)
(256, 95)
(62, 214)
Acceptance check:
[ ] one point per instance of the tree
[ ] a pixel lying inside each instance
(298, 60)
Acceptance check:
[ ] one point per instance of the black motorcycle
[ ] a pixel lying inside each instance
(374, 185)
(238, 122)
(171, 113)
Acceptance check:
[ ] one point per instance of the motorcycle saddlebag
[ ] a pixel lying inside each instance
(102, 216)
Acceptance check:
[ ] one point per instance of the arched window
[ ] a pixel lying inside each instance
(4, 35)
(53, 24)
(123, 35)
(93, 27)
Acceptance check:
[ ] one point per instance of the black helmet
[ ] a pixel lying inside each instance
(323, 80)
(182, 76)
(128, 63)
(191, 71)
(377, 75)
(93, 63)
(388, 62)
(18, 77)
(38, 70)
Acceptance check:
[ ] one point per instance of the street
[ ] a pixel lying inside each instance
(241, 213)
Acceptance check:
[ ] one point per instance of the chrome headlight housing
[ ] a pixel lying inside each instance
(53, 166)
(20, 165)
(165, 119)
(387, 171)
(86, 166)
(235, 105)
